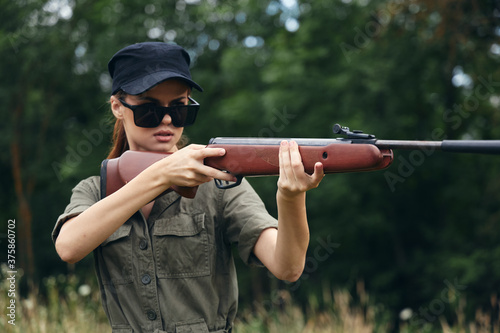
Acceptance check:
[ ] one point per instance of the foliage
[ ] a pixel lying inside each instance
(398, 69)
(72, 304)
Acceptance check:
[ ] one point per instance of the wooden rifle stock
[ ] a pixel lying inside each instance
(117, 172)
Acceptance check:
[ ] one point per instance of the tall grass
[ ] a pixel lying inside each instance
(67, 305)
(72, 306)
(339, 316)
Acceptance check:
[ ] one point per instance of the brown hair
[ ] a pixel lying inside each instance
(119, 143)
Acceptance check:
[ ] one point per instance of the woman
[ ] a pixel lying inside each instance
(164, 263)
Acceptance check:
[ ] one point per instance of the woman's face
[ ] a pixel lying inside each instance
(165, 136)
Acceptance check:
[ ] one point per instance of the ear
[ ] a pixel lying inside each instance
(116, 107)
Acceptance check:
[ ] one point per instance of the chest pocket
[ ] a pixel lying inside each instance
(181, 246)
(117, 256)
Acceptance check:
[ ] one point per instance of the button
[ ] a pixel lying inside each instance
(143, 244)
(151, 315)
(146, 279)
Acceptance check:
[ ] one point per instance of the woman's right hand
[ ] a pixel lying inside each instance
(185, 167)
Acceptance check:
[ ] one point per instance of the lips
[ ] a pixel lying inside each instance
(164, 136)
(164, 133)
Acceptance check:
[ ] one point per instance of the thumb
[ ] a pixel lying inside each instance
(318, 174)
(195, 146)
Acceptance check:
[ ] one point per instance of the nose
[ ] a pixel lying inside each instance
(166, 119)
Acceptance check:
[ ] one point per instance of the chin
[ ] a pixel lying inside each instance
(165, 148)
(157, 148)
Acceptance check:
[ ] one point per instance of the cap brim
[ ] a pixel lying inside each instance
(145, 83)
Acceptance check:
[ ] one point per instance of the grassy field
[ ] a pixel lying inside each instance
(71, 306)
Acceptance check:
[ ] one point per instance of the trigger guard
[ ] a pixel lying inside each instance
(224, 185)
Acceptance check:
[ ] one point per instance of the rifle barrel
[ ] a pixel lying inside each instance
(453, 146)
(407, 144)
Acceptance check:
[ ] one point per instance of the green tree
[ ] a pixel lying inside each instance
(397, 69)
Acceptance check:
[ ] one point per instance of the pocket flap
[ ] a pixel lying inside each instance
(197, 326)
(123, 231)
(121, 330)
(180, 225)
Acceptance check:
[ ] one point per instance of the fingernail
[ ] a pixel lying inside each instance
(222, 151)
(284, 143)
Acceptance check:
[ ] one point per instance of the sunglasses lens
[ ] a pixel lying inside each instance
(183, 116)
(146, 115)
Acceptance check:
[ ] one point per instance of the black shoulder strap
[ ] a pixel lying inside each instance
(104, 169)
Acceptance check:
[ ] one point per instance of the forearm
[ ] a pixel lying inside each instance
(283, 250)
(292, 236)
(82, 234)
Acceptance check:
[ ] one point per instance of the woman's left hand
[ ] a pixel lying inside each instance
(283, 250)
(293, 180)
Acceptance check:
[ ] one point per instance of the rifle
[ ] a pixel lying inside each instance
(355, 152)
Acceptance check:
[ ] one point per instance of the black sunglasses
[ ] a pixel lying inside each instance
(150, 115)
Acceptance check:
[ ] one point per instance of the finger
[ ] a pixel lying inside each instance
(217, 174)
(205, 176)
(295, 170)
(296, 159)
(318, 174)
(284, 160)
(212, 152)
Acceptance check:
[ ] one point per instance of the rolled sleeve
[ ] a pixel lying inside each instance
(247, 217)
(248, 237)
(84, 195)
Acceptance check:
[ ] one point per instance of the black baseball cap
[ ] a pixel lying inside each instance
(139, 67)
